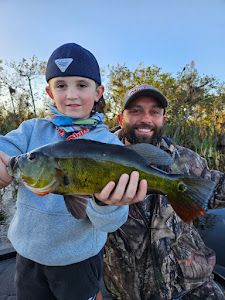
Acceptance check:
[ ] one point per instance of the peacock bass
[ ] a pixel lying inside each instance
(82, 167)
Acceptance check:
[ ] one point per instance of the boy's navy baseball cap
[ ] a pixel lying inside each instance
(72, 60)
(145, 90)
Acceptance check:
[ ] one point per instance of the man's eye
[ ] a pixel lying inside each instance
(135, 111)
(155, 113)
(82, 85)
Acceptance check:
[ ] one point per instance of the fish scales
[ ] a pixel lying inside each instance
(87, 175)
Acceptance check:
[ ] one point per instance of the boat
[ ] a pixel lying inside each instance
(211, 228)
(7, 272)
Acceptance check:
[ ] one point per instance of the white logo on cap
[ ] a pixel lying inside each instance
(139, 88)
(63, 63)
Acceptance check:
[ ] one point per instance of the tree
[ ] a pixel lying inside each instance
(196, 105)
(30, 69)
(19, 98)
(121, 79)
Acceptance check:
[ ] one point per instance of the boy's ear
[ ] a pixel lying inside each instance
(99, 92)
(120, 119)
(49, 92)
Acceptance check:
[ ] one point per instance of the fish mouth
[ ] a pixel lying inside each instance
(40, 191)
(13, 167)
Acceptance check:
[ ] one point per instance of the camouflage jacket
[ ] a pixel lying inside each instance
(155, 255)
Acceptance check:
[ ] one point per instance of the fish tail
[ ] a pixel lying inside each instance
(192, 198)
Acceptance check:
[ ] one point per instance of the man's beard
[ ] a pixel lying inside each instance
(128, 132)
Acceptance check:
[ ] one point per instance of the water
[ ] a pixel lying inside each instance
(212, 228)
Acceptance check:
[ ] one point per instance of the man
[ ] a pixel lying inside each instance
(155, 255)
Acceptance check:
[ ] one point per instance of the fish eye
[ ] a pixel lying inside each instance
(31, 156)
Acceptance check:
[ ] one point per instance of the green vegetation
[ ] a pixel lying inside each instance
(196, 106)
(196, 103)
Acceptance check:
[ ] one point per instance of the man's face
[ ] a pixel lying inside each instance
(142, 121)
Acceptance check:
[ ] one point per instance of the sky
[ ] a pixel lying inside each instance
(165, 33)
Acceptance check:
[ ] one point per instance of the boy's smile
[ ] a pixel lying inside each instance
(74, 96)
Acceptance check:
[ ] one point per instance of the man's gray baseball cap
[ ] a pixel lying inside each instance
(144, 90)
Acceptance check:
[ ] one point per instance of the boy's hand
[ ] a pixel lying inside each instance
(127, 191)
(5, 179)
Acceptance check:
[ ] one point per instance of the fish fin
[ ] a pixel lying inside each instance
(76, 205)
(41, 191)
(152, 154)
(193, 197)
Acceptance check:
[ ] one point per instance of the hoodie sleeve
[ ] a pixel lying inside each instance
(107, 218)
(16, 141)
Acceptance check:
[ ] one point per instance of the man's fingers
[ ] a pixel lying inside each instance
(135, 191)
(132, 187)
(105, 192)
(141, 192)
(119, 191)
(127, 191)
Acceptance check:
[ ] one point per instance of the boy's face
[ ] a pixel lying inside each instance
(74, 96)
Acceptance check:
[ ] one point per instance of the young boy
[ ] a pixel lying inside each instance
(59, 257)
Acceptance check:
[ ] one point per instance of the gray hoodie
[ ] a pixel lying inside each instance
(42, 229)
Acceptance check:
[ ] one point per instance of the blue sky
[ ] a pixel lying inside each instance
(166, 33)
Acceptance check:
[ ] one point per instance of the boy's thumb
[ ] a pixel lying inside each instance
(5, 158)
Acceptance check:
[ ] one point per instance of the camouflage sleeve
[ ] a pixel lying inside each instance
(197, 165)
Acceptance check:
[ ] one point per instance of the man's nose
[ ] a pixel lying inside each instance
(146, 117)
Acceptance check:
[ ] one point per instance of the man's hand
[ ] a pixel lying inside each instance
(127, 191)
(5, 179)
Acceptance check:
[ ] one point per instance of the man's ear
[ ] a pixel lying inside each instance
(120, 119)
(49, 92)
(165, 119)
(99, 92)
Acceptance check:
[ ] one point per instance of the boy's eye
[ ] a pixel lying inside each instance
(82, 85)
(60, 86)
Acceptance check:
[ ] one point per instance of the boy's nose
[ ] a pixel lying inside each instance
(72, 93)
